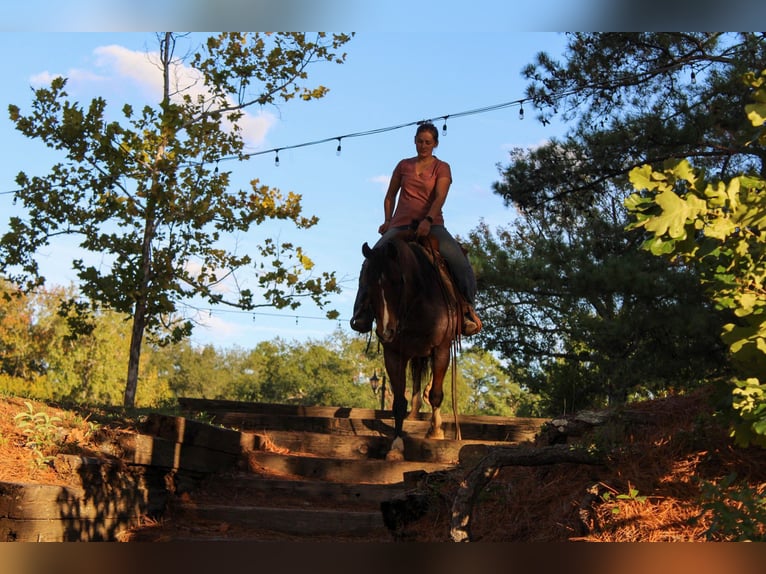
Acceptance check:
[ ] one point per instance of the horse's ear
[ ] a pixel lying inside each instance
(366, 251)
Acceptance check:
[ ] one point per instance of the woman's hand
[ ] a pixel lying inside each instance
(424, 228)
(384, 227)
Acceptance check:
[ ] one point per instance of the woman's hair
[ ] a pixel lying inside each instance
(428, 127)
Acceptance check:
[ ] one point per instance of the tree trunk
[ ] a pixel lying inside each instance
(139, 313)
(136, 336)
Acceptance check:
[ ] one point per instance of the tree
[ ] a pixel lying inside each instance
(41, 357)
(719, 227)
(25, 333)
(487, 389)
(147, 192)
(565, 289)
(634, 99)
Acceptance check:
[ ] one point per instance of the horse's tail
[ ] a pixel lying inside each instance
(419, 366)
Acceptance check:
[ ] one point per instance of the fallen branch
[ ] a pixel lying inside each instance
(488, 467)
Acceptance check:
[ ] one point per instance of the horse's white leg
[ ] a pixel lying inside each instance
(396, 452)
(435, 429)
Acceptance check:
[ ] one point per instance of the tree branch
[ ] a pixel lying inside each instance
(475, 481)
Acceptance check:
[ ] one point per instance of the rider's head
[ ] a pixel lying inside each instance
(426, 137)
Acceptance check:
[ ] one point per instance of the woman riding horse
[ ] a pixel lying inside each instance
(423, 181)
(401, 287)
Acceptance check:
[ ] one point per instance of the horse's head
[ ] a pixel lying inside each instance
(385, 281)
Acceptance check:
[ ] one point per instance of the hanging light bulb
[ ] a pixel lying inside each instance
(444, 127)
(521, 112)
(276, 158)
(694, 77)
(337, 150)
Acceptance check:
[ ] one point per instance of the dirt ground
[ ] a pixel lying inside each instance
(32, 433)
(664, 481)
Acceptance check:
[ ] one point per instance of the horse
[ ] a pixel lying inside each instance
(417, 312)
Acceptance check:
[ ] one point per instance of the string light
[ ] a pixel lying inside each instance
(383, 130)
(521, 112)
(337, 151)
(276, 158)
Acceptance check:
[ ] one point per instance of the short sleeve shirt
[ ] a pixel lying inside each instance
(416, 191)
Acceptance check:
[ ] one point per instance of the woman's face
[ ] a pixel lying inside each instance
(425, 143)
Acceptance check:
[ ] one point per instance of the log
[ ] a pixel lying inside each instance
(488, 467)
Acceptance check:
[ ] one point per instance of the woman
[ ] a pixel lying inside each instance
(422, 183)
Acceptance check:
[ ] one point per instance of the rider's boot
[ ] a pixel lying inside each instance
(471, 322)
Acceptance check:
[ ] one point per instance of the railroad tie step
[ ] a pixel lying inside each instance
(294, 521)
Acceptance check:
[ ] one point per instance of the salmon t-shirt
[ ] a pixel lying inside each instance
(416, 191)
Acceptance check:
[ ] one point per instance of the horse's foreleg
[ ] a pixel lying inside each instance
(435, 428)
(441, 357)
(396, 368)
(400, 410)
(417, 399)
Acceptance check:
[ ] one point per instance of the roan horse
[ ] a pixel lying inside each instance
(417, 320)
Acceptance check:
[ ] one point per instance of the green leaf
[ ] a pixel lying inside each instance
(676, 212)
(756, 113)
(643, 177)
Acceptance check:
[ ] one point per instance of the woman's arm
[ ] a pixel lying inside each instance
(390, 200)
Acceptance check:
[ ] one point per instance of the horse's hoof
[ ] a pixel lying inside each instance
(395, 455)
(396, 452)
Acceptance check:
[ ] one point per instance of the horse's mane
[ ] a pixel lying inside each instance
(415, 253)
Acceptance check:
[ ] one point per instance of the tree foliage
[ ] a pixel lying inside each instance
(146, 194)
(719, 227)
(566, 292)
(39, 358)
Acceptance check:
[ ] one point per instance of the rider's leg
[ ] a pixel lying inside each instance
(463, 274)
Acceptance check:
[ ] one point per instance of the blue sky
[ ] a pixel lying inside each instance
(389, 79)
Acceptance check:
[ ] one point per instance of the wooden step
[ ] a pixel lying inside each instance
(307, 522)
(211, 407)
(319, 491)
(337, 470)
(358, 447)
(520, 430)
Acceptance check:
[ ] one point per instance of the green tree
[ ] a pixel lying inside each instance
(314, 373)
(565, 290)
(41, 357)
(719, 227)
(146, 192)
(22, 338)
(487, 389)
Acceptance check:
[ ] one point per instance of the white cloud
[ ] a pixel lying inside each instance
(227, 285)
(212, 328)
(382, 180)
(74, 75)
(118, 66)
